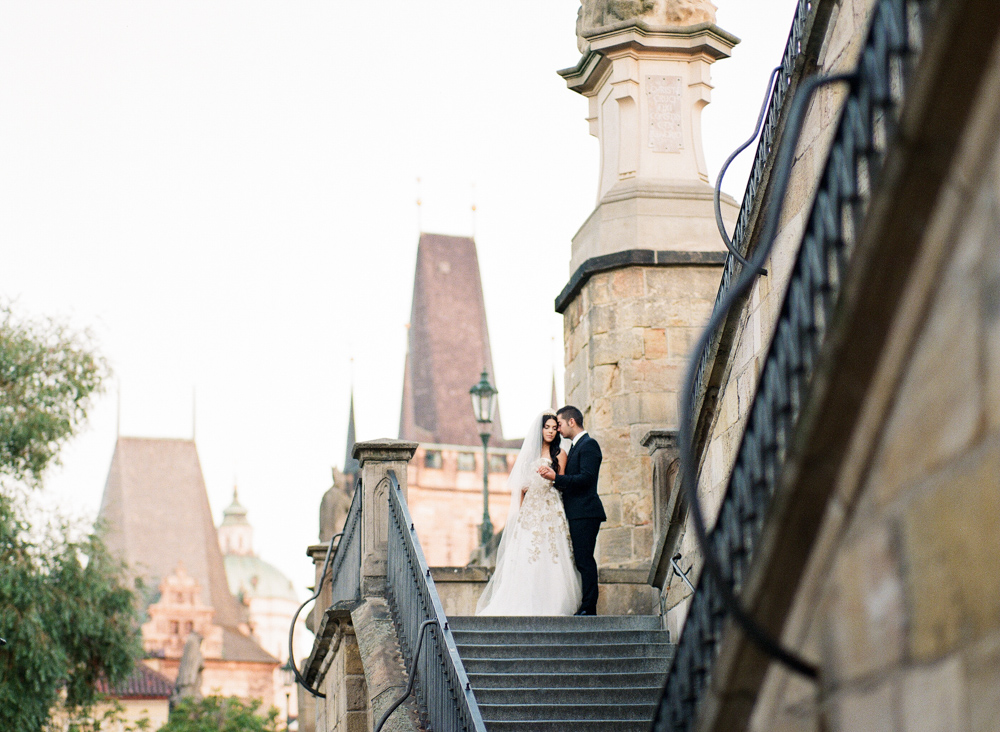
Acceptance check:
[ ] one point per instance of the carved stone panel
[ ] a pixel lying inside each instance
(663, 103)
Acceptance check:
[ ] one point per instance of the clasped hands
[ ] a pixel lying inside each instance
(547, 472)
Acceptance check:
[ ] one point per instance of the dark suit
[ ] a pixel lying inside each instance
(584, 511)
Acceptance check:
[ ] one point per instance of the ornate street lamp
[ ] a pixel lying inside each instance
(484, 402)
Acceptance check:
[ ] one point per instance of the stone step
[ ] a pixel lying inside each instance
(485, 681)
(565, 665)
(647, 695)
(560, 725)
(565, 712)
(566, 650)
(555, 622)
(576, 637)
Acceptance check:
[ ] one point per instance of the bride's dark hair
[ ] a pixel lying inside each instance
(554, 445)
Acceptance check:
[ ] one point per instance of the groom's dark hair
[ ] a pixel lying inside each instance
(572, 413)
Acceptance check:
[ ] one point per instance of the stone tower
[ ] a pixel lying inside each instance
(448, 348)
(449, 344)
(646, 263)
(235, 531)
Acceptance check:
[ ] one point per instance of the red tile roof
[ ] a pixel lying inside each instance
(143, 683)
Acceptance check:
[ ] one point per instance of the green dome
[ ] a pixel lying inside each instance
(251, 577)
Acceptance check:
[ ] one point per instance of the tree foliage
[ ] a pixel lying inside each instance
(65, 610)
(48, 374)
(220, 714)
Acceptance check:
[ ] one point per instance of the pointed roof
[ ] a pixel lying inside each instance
(449, 345)
(156, 513)
(555, 399)
(351, 466)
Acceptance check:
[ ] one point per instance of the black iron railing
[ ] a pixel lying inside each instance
(852, 171)
(442, 684)
(345, 574)
(782, 89)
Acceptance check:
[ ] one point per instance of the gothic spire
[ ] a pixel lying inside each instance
(449, 344)
(350, 463)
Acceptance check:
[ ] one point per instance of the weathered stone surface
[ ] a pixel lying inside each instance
(610, 348)
(982, 677)
(938, 418)
(385, 675)
(951, 541)
(627, 283)
(615, 546)
(642, 543)
(356, 693)
(934, 699)
(655, 343)
(866, 618)
(596, 14)
(626, 599)
(637, 508)
(681, 341)
(358, 722)
(352, 657)
(865, 708)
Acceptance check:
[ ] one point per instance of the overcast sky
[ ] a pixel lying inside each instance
(224, 192)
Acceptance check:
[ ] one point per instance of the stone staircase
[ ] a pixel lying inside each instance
(581, 674)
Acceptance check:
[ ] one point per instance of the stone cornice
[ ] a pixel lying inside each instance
(637, 34)
(633, 258)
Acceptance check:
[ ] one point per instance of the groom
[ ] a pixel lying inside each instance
(584, 509)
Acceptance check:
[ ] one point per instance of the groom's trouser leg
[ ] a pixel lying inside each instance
(583, 534)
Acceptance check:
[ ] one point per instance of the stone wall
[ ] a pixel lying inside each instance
(627, 338)
(839, 39)
(901, 603)
(345, 707)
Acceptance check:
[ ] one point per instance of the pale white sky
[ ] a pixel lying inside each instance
(224, 193)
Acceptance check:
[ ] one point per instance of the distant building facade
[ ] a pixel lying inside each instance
(158, 520)
(269, 597)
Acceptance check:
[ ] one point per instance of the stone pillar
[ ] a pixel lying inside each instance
(645, 265)
(376, 459)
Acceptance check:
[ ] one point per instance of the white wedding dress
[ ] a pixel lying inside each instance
(535, 572)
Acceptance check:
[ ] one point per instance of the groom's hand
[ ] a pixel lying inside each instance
(547, 473)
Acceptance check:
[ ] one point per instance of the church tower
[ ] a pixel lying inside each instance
(645, 265)
(448, 349)
(235, 531)
(448, 346)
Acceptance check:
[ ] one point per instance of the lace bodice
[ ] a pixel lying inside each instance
(543, 516)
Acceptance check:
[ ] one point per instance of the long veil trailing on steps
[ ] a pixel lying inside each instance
(535, 573)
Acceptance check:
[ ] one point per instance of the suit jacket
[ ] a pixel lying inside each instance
(579, 483)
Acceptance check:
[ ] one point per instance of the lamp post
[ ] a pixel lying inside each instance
(288, 677)
(484, 401)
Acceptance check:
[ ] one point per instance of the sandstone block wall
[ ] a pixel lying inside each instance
(345, 707)
(627, 337)
(902, 604)
(842, 38)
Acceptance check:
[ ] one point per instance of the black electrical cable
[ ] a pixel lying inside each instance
(291, 629)
(780, 176)
(413, 675)
(725, 166)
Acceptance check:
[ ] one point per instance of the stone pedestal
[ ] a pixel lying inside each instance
(376, 458)
(646, 264)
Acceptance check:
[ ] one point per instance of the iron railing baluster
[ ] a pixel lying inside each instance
(852, 170)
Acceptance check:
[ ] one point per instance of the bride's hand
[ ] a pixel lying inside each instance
(524, 491)
(547, 473)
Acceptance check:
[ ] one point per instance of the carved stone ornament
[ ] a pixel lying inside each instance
(597, 14)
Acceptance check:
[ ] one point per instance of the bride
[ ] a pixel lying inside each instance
(535, 572)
